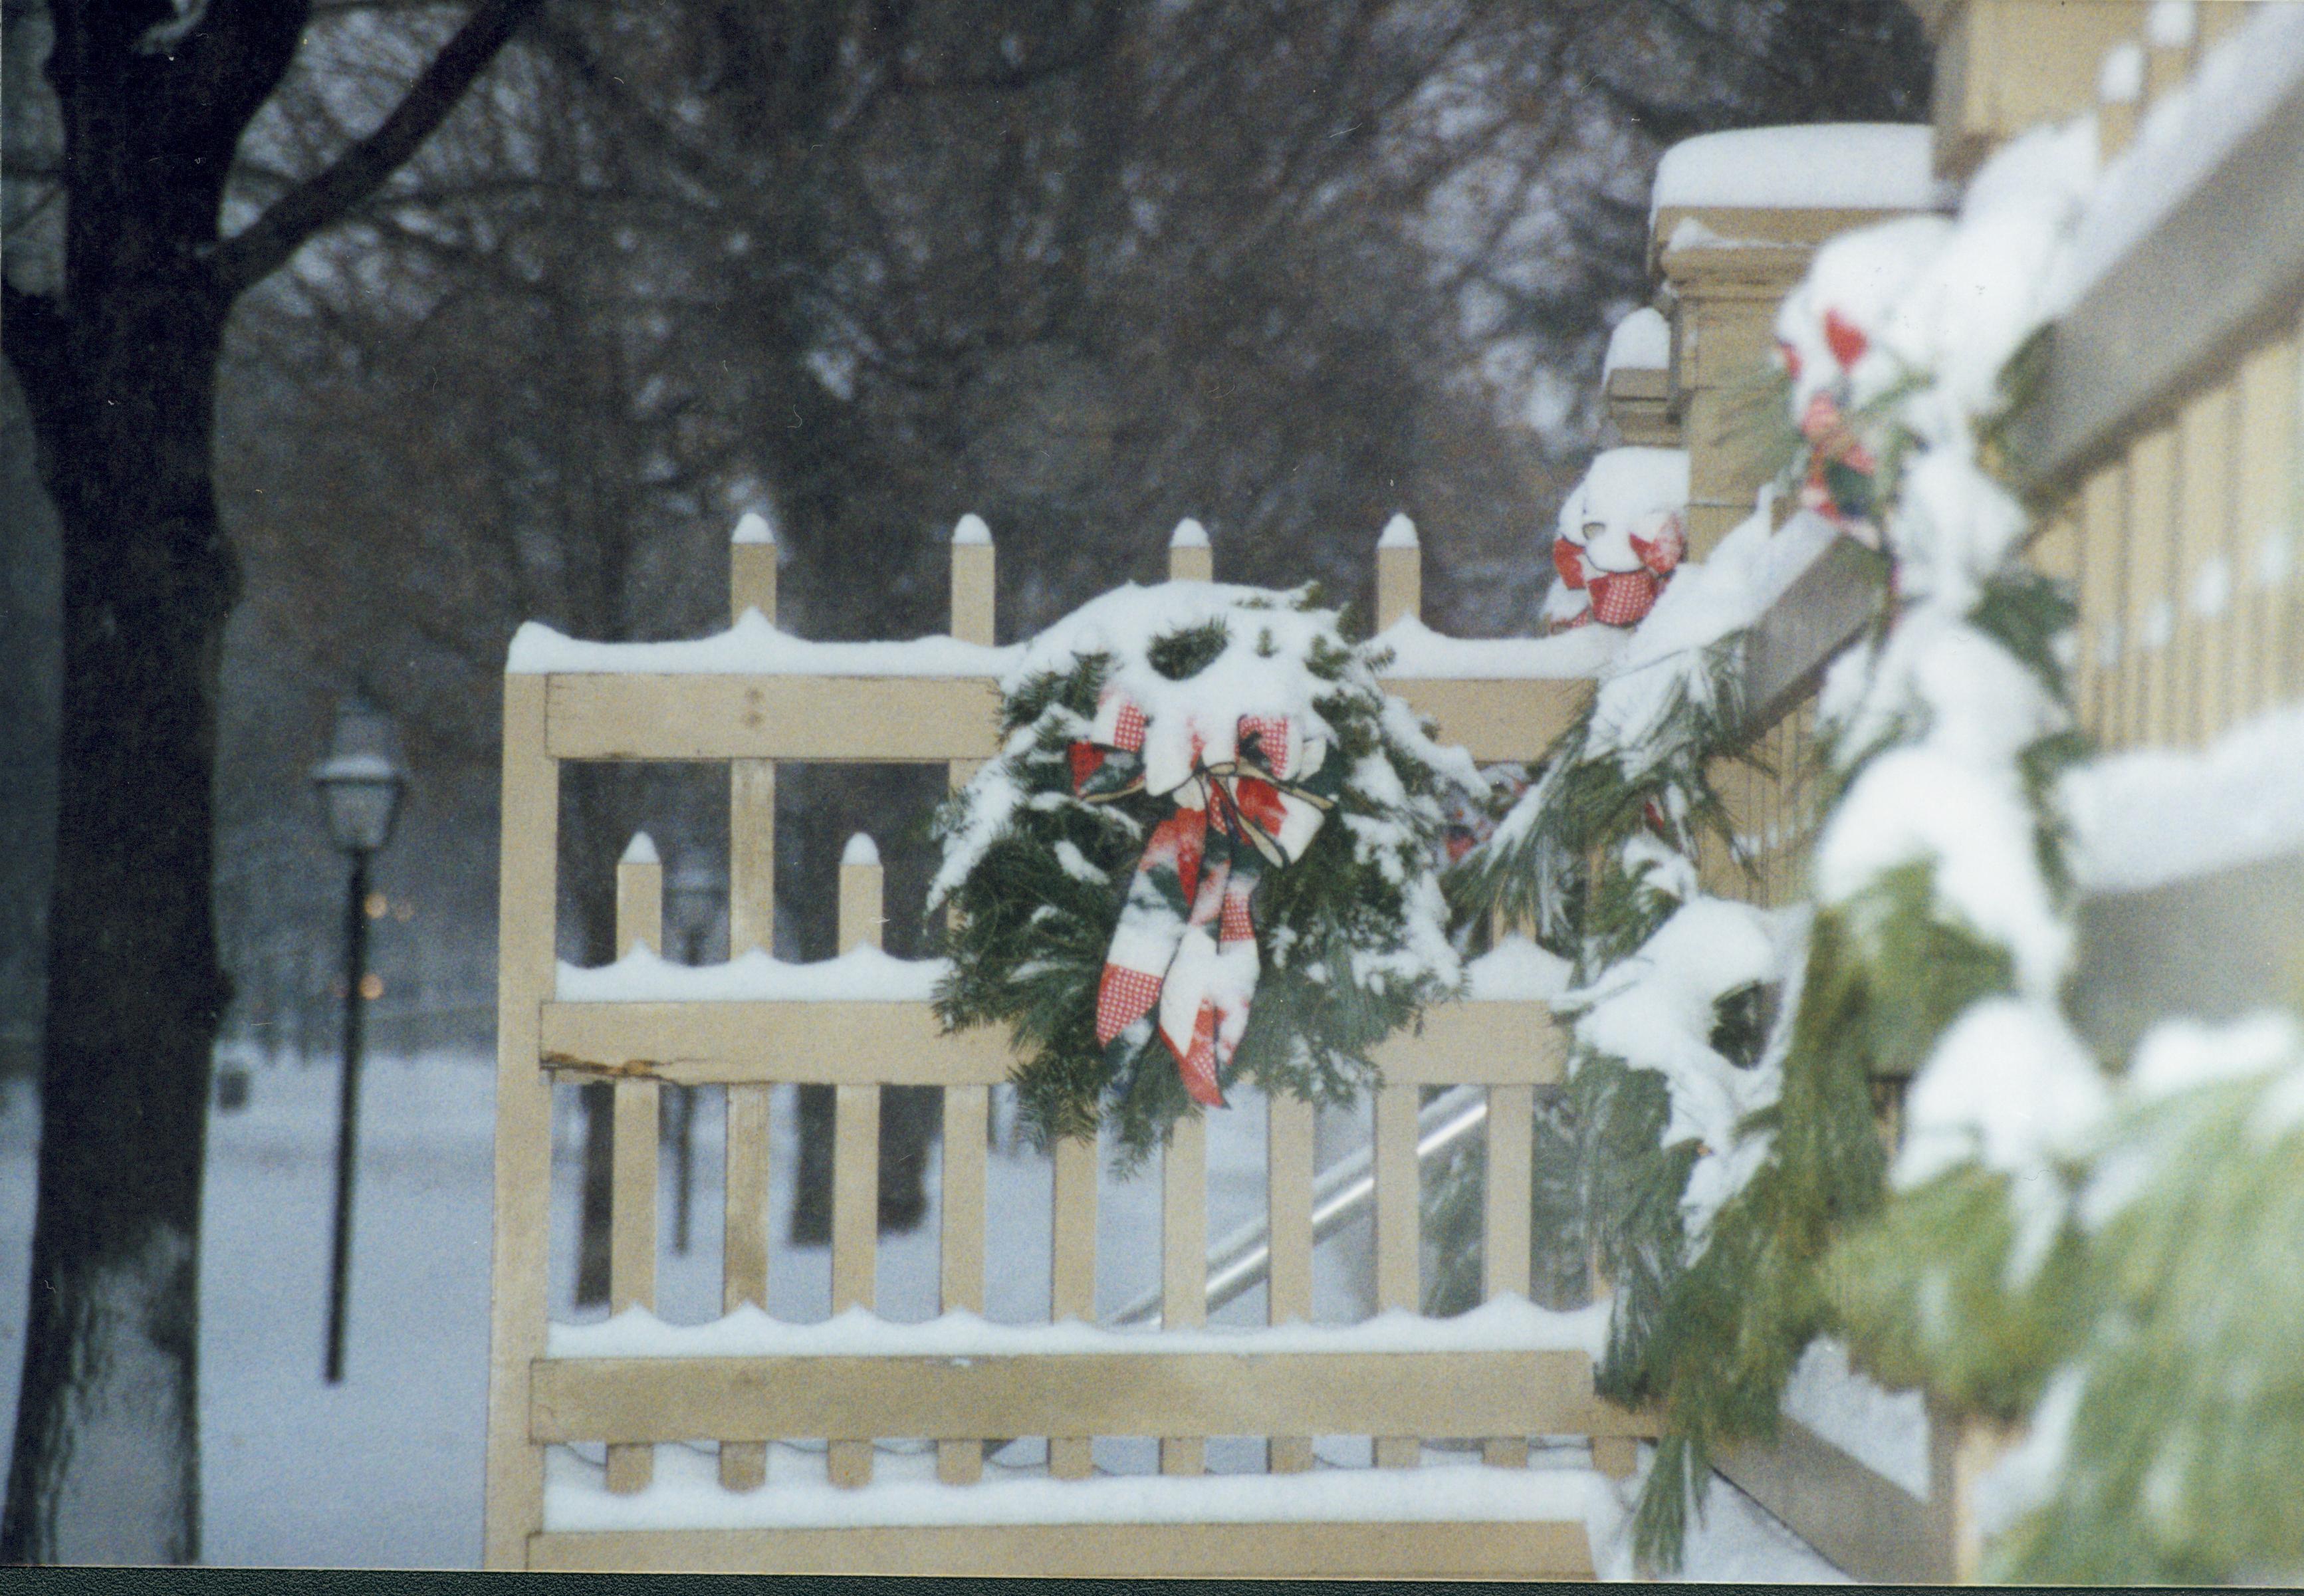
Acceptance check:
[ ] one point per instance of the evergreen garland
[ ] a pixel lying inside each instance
(1350, 936)
(2170, 1438)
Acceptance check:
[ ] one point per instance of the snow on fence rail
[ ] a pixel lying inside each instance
(861, 1023)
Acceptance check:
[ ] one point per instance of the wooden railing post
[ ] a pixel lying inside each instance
(631, 1226)
(1399, 573)
(966, 1108)
(527, 864)
(751, 923)
(856, 1146)
(1190, 558)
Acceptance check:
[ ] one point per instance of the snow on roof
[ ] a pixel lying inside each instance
(1188, 534)
(1883, 165)
(641, 850)
(1399, 532)
(971, 529)
(752, 527)
(1641, 342)
(860, 850)
(2186, 136)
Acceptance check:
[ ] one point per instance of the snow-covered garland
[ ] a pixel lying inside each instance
(1674, 1048)
(1206, 851)
(1941, 899)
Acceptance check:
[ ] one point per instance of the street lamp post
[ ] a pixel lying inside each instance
(695, 893)
(360, 785)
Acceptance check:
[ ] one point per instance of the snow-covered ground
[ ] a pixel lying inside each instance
(386, 1470)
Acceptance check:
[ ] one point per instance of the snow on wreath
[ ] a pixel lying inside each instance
(1206, 851)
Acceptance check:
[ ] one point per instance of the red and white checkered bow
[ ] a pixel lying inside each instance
(1250, 795)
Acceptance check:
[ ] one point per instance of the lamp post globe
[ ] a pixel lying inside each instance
(360, 784)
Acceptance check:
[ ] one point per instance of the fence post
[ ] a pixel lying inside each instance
(1190, 558)
(632, 1181)
(751, 923)
(971, 580)
(856, 1146)
(1399, 573)
(527, 864)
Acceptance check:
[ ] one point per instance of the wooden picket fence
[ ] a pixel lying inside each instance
(634, 1404)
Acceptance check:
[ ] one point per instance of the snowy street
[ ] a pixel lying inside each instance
(385, 1470)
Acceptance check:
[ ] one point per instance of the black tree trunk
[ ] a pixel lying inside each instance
(105, 1466)
(118, 368)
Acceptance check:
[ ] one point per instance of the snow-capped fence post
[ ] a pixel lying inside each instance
(971, 580)
(856, 1144)
(1399, 573)
(966, 1108)
(1190, 558)
(632, 1181)
(751, 923)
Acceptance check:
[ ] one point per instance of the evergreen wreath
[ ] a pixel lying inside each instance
(1205, 853)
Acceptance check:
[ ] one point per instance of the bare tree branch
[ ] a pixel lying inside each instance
(254, 253)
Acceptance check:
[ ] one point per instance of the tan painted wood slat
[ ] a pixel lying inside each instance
(2206, 435)
(1504, 1043)
(705, 1044)
(1505, 1235)
(2151, 509)
(632, 1152)
(1130, 1393)
(751, 923)
(972, 592)
(856, 1162)
(1184, 1260)
(1288, 1144)
(1495, 719)
(1399, 1233)
(2268, 510)
(1191, 562)
(915, 719)
(1495, 1043)
(526, 865)
(1399, 584)
(965, 1112)
(1306, 1550)
(1072, 1279)
(2103, 596)
(884, 719)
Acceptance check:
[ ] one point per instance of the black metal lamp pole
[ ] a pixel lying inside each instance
(360, 785)
(340, 1248)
